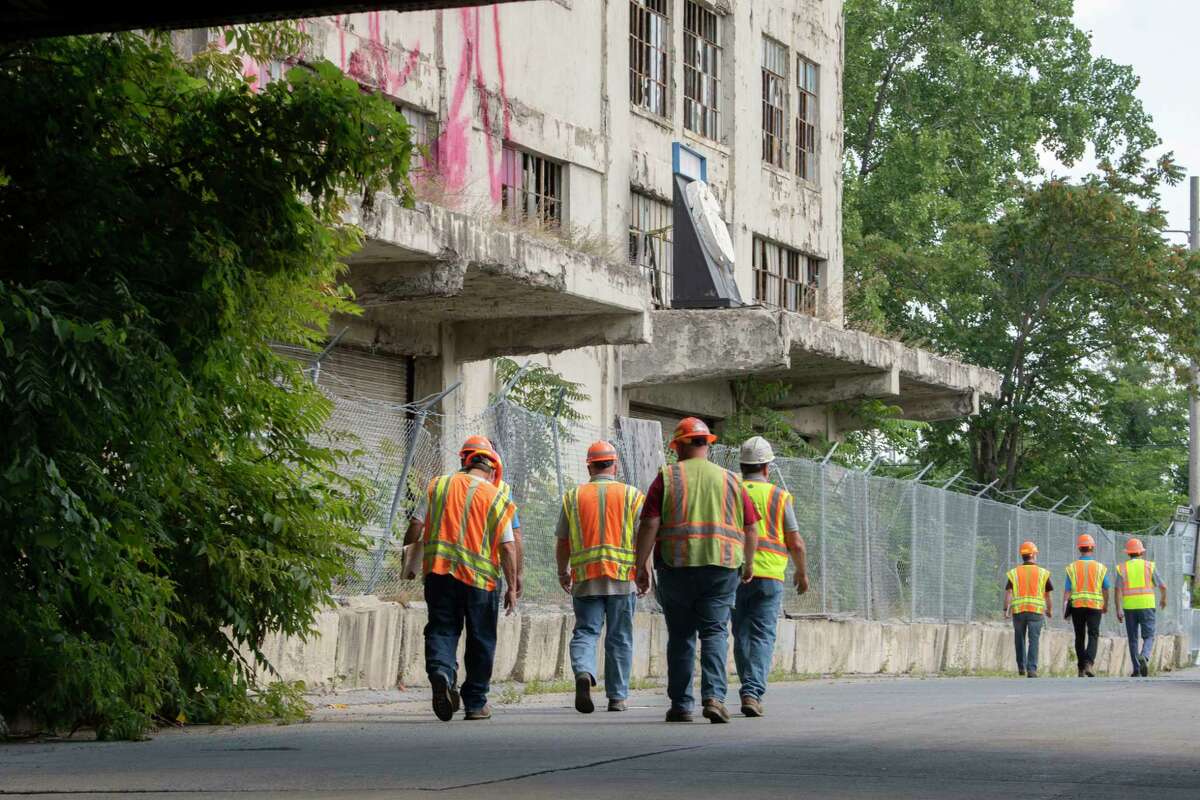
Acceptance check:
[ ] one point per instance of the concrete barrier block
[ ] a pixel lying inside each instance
(820, 647)
(411, 658)
(508, 643)
(368, 645)
(538, 657)
(996, 649)
(643, 627)
(656, 665)
(784, 658)
(312, 660)
(866, 648)
(1056, 652)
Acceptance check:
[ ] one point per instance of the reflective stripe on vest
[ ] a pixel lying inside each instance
(771, 557)
(1029, 588)
(602, 516)
(462, 526)
(702, 516)
(1137, 584)
(1087, 581)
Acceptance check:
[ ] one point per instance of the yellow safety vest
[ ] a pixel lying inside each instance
(1028, 588)
(1137, 587)
(771, 557)
(702, 516)
(1087, 583)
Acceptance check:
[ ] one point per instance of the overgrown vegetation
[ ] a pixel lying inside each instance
(164, 500)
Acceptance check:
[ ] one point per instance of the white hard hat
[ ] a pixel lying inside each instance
(756, 450)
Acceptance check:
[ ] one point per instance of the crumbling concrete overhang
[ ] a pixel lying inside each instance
(502, 291)
(822, 365)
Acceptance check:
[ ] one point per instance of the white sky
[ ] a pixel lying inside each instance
(1160, 39)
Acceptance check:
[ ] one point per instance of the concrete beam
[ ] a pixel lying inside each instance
(854, 387)
(706, 398)
(925, 409)
(515, 336)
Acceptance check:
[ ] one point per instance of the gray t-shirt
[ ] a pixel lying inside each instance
(596, 587)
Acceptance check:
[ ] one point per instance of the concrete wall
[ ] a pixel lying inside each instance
(375, 644)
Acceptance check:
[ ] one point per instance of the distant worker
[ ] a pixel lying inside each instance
(1027, 601)
(465, 527)
(756, 610)
(506, 491)
(1136, 581)
(595, 555)
(1085, 601)
(699, 524)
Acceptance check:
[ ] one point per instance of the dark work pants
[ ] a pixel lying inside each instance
(452, 604)
(696, 601)
(1087, 634)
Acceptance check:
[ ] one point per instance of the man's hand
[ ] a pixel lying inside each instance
(564, 580)
(520, 583)
(1008, 613)
(801, 581)
(1120, 615)
(747, 572)
(643, 581)
(510, 601)
(1050, 612)
(1162, 603)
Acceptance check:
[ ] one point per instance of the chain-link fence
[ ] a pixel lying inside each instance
(878, 547)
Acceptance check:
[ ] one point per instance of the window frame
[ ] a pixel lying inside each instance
(660, 276)
(808, 118)
(774, 136)
(698, 46)
(426, 126)
(786, 278)
(535, 204)
(646, 18)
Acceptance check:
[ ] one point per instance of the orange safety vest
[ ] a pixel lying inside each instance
(1028, 588)
(702, 516)
(465, 520)
(1087, 582)
(602, 518)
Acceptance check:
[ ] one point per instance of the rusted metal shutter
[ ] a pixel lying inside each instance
(356, 374)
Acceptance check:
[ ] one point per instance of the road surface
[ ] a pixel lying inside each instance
(925, 739)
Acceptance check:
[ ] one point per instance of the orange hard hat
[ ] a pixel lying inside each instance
(1028, 549)
(691, 428)
(474, 443)
(601, 451)
(1085, 540)
(473, 446)
(1134, 547)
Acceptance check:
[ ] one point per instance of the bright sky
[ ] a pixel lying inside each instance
(1160, 40)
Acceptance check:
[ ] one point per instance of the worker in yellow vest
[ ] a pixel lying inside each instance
(1027, 602)
(1136, 580)
(1086, 602)
(756, 610)
(595, 557)
(700, 525)
(465, 528)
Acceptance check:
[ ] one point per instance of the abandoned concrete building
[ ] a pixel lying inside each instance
(555, 219)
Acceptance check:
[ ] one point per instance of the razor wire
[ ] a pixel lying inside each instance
(877, 547)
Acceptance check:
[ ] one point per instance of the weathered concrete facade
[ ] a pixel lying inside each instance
(554, 130)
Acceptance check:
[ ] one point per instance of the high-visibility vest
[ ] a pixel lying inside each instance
(1137, 584)
(771, 557)
(702, 516)
(1087, 581)
(602, 517)
(1028, 588)
(463, 525)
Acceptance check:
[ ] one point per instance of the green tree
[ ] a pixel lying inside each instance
(165, 501)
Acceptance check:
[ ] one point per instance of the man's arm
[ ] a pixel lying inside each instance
(749, 548)
(1119, 597)
(1008, 601)
(562, 556)
(519, 555)
(1162, 595)
(646, 536)
(415, 532)
(795, 546)
(1049, 603)
(508, 564)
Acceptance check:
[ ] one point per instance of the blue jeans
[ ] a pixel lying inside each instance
(1140, 620)
(615, 612)
(696, 601)
(1027, 623)
(755, 616)
(452, 604)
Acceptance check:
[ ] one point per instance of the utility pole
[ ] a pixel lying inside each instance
(1194, 395)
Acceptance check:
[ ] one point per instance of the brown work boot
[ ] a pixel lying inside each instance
(583, 693)
(616, 705)
(1088, 671)
(479, 713)
(677, 714)
(445, 699)
(715, 712)
(751, 707)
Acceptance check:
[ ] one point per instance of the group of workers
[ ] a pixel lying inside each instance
(1085, 602)
(717, 542)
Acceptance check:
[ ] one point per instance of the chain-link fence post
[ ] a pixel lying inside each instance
(822, 477)
(558, 474)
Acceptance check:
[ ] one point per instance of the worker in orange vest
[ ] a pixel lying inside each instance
(1137, 579)
(479, 441)
(1086, 602)
(1027, 602)
(595, 554)
(465, 528)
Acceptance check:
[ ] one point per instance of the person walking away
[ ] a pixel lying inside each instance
(1136, 581)
(699, 525)
(479, 441)
(465, 527)
(595, 555)
(1027, 602)
(1085, 601)
(757, 605)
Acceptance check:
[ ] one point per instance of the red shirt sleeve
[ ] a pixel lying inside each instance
(748, 509)
(652, 508)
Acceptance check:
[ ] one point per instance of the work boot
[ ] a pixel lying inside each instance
(1031, 674)
(751, 707)
(445, 699)
(1088, 671)
(616, 705)
(1021, 672)
(1081, 672)
(479, 713)
(715, 712)
(583, 693)
(1144, 663)
(677, 714)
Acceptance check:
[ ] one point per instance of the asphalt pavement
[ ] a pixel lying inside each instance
(926, 739)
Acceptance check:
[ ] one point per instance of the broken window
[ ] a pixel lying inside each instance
(807, 74)
(648, 38)
(424, 131)
(650, 221)
(774, 101)
(786, 278)
(701, 70)
(531, 188)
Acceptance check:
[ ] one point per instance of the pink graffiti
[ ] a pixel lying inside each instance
(370, 64)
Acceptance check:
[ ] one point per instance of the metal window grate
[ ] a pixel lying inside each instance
(701, 71)
(786, 278)
(531, 188)
(807, 77)
(774, 102)
(424, 136)
(650, 224)
(648, 38)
